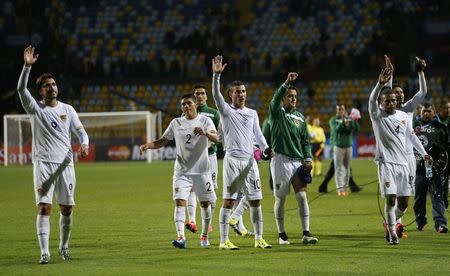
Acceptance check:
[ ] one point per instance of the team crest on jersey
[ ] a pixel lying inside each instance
(63, 117)
(387, 184)
(403, 122)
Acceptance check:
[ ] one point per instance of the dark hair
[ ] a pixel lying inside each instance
(386, 90)
(188, 96)
(428, 105)
(197, 86)
(395, 85)
(291, 87)
(443, 103)
(41, 79)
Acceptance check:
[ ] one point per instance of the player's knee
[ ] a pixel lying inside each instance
(228, 203)
(180, 202)
(204, 204)
(44, 209)
(66, 210)
(254, 203)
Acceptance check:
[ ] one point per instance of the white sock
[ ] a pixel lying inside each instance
(278, 210)
(212, 207)
(257, 219)
(389, 212)
(303, 209)
(179, 218)
(43, 232)
(206, 219)
(65, 227)
(399, 214)
(192, 207)
(224, 217)
(239, 211)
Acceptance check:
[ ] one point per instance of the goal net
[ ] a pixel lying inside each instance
(113, 136)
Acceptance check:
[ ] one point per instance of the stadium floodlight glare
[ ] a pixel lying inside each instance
(114, 135)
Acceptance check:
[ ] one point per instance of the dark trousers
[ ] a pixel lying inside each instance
(330, 174)
(435, 187)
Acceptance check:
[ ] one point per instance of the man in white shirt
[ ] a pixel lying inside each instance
(240, 127)
(192, 134)
(52, 123)
(391, 131)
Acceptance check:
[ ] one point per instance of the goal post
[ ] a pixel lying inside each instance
(113, 136)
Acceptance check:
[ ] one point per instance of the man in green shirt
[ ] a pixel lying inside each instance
(343, 128)
(199, 92)
(289, 140)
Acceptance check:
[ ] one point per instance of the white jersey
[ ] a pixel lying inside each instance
(51, 126)
(192, 150)
(391, 132)
(411, 105)
(240, 127)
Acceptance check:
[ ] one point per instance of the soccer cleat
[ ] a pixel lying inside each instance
(386, 231)
(309, 240)
(235, 225)
(393, 240)
(191, 226)
(64, 253)
(283, 239)
(245, 233)
(442, 229)
(180, 242)
(45, 259)
(344, 193)
(204, 242)
(399, 230)
(261, 243)
(228, 246)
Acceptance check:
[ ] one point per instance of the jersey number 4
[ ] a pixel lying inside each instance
(397, 129)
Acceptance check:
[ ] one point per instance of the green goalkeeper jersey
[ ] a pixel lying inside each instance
(288, 131)
(207, 111)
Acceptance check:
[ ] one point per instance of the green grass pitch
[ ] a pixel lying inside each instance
(123, 224)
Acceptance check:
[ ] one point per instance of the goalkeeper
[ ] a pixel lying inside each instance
(292, 161)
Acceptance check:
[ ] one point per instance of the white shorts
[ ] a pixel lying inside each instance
(241, 175)
(282, 169)
(55, 178)
(201, 184)
(393, 179)
(213, 169)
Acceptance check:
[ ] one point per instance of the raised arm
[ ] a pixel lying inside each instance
(28, 102)
(419, 97)
(383, 78)
(278, 95)
(217, 69)
(388, 63)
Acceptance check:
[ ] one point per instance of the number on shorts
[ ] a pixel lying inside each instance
(213, 176)
(208, 187)
(70, 186)
(188, 136)
(54, 125)
(256, 184)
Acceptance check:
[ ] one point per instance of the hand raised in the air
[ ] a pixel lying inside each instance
(385, 75)
(388, 63)
(292, 76)
(217, 66)
(29, 57)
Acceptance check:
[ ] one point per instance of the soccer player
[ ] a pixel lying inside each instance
(409, 107)
(51, 123)
(444, 117)
(317, 138)
(343, 127)
(292, 160)
(201, 97)
(391, 129)
(192, 134)
(432, 133)
(240, 126)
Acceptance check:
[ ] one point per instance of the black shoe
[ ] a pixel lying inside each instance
(355, 189)
(442, 229)
(323, 189)
(421, 226)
